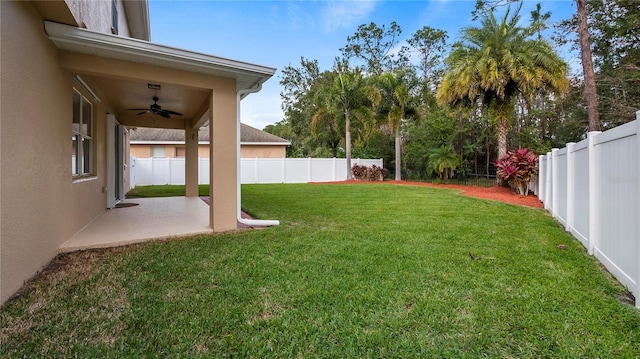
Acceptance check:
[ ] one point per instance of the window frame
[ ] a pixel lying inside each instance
(158, 148)
(83, 165)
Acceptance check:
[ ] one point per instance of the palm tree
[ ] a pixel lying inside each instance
(444, 160)
(393, 98)
(344, 96)
(496, 63)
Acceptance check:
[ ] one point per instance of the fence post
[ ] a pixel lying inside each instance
(638, 204)
(333, 174)
(547, 195)
(256, 169)
(170, 170)
(594, 168)
(570, 187)
(542, 177)
(554, 182)
(309, 174)
(284, 170)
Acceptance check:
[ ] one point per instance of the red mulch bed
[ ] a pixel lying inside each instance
(501, 194)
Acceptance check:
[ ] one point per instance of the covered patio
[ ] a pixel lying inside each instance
(140, 220)
(151, 85)
(143, 219)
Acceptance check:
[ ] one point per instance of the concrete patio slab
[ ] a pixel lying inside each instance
(151, 218)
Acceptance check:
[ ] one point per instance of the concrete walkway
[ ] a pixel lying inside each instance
(152, 218)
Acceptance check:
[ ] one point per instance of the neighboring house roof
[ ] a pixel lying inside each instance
(248, 136)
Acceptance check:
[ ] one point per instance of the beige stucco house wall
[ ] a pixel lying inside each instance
(150, 142)
(51, 50)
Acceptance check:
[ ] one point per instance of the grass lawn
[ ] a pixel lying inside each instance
(352, 271)
(164, 191)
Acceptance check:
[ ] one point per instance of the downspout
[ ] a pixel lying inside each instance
(246, 221)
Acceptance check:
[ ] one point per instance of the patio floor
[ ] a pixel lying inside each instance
(152, 218)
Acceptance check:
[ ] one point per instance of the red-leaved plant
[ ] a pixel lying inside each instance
(517, 168)
(364, 173)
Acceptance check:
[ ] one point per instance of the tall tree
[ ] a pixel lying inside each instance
(496, 62)
(615, 38)
(374, 45)
(590, 91)
(345, 96)
(429, 44)
(395, 99)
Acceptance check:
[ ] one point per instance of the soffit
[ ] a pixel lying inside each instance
(125, 95)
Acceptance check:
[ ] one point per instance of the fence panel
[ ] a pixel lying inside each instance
(323, 170)
(617, 182)
(594, 188)
(580, 196)
(297, 170)
(270, 170)
(160, 171)
(560, 190)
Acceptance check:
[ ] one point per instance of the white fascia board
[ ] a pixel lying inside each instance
(79, 39)
(266, 143)
(159, 143)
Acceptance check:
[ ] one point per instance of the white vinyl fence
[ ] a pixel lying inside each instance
(160, 171)
(593, 188)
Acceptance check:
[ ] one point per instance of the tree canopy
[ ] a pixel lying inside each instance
(421, 102)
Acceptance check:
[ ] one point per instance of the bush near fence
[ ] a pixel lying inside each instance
(593, 188)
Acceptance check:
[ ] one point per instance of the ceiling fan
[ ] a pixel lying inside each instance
(156, 109)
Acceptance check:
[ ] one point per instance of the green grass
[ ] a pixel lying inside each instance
(164, 191)
(352, 271)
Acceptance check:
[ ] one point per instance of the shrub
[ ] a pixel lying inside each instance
(517, 168)
(364, 173)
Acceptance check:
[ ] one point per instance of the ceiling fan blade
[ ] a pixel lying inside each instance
(143, 112)
(172, 112)
(163, 114)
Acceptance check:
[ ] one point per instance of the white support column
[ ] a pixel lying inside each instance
(570, 188)
(594, 205)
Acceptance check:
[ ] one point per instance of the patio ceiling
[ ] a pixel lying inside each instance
(127, 71)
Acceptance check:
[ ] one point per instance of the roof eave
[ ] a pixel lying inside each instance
(266, 143)
(80, 40)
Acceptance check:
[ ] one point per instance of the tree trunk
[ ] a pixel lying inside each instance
(398, 154)
(502, 136)
(590, 92)
(347, 140)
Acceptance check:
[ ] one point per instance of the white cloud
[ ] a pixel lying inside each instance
(346, 14)
(262, 108)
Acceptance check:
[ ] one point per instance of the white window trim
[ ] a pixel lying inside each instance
(84, 175)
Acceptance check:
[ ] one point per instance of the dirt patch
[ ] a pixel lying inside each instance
(496, 193)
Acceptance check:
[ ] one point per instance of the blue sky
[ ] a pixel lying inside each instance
(278, 33)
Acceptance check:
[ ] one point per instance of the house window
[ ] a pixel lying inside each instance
(114, 17)
(157, 151)
(180, 151)
(82, 136)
